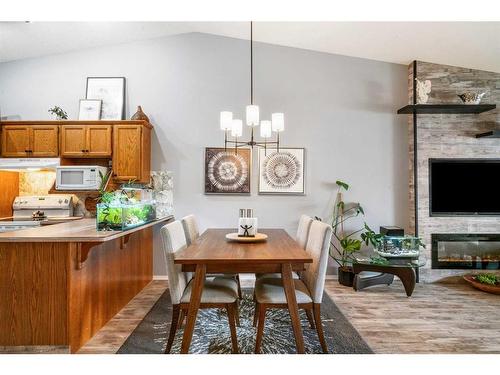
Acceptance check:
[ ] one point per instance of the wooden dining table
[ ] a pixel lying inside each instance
(213, 253)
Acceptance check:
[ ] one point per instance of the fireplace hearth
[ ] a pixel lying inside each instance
(466, 251)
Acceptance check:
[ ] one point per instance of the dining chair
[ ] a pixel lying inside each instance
(301, 238)
(270, 294)
(192, 233)
(218, 292)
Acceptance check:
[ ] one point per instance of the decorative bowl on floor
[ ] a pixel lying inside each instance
(471, 97)
(495, 289)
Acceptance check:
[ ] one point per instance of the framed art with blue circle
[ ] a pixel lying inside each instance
(282, 172)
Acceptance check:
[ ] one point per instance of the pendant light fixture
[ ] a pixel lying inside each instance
(233, 128)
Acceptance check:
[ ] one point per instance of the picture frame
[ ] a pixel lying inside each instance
(282, 173)
(227, 172)
(111, 90)
(90, 109)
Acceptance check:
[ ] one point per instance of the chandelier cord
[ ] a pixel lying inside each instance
(251, 62)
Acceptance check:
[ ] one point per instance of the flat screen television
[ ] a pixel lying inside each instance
(464, 187)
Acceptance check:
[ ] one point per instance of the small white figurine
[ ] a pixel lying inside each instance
(423, 91)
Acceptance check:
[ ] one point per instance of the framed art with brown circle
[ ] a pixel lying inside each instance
(227, 172)
(282, 172)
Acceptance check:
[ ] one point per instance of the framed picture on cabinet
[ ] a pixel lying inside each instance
(227, 172)
(282, 172)
(90, 109)
(111, 91)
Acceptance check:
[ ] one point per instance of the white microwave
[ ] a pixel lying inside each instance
(79, 177)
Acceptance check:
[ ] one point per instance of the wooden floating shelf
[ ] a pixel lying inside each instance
(446, 108)
(490, 134)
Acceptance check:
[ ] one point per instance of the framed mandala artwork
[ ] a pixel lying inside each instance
(282, 172)
(227, 172)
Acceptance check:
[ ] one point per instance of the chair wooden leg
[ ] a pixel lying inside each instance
(232, 326)
(182, 317)
(256, 314)
(319, 326)
(260, 327)
(237, 313)
(309, 314)
(240, 295)
(173, 327)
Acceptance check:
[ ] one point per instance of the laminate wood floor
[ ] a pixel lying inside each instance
(442, 317)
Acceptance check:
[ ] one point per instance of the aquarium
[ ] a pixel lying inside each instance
(122, 216)
(406, 246)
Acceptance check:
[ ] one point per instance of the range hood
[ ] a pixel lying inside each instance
(29, 164)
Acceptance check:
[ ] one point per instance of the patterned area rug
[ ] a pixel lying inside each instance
(212, 335)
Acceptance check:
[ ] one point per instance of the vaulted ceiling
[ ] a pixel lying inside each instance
(468, 44)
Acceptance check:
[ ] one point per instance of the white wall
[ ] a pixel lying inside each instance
(341, 109)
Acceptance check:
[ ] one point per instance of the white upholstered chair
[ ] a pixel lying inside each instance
(192, 233)
(269, 292)
(301, 238)
(217, 292)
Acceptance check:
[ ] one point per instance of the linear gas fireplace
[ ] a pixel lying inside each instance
(466, 251)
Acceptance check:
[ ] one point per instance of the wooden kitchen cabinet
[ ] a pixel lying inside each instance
(44, 141)
(131, 152)
(30, 141)
(81, 141)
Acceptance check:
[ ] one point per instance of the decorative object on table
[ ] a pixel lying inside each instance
(399, 247)
(282, 172)
(227, 172)
(116, 211)
(392, 231)
(90, 109)
(247, 224)
(423, 90)
(58, 113)
(111, 90)
(344, 244)
(234, 127)
(471, 97)
(487, 282)
(140, 115)
(235, 237)
(162, 183)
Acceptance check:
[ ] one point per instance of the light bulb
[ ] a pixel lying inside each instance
(265, 129)
(226, 120)
(252, 115)
(237, 128)
(278, 122)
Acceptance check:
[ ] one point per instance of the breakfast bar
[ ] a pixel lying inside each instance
(59, 284)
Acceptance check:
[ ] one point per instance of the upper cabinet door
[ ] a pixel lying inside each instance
(127, 152)
(15, 141)
(73, 141)
(44, 141)
(99, 140)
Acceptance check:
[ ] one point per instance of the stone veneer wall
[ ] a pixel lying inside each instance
(451, 136)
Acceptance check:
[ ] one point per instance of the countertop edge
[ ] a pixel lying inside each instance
(103, 237)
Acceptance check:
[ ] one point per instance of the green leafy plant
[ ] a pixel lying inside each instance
(344, 245)
(487, 278)
(59, 112)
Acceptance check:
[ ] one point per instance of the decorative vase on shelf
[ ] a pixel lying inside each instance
(140, 115)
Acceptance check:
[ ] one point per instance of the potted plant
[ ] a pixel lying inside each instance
(58, 113)
(344, 243)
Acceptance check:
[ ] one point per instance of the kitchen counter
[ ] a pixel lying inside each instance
(83, 230)
(61, 283)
